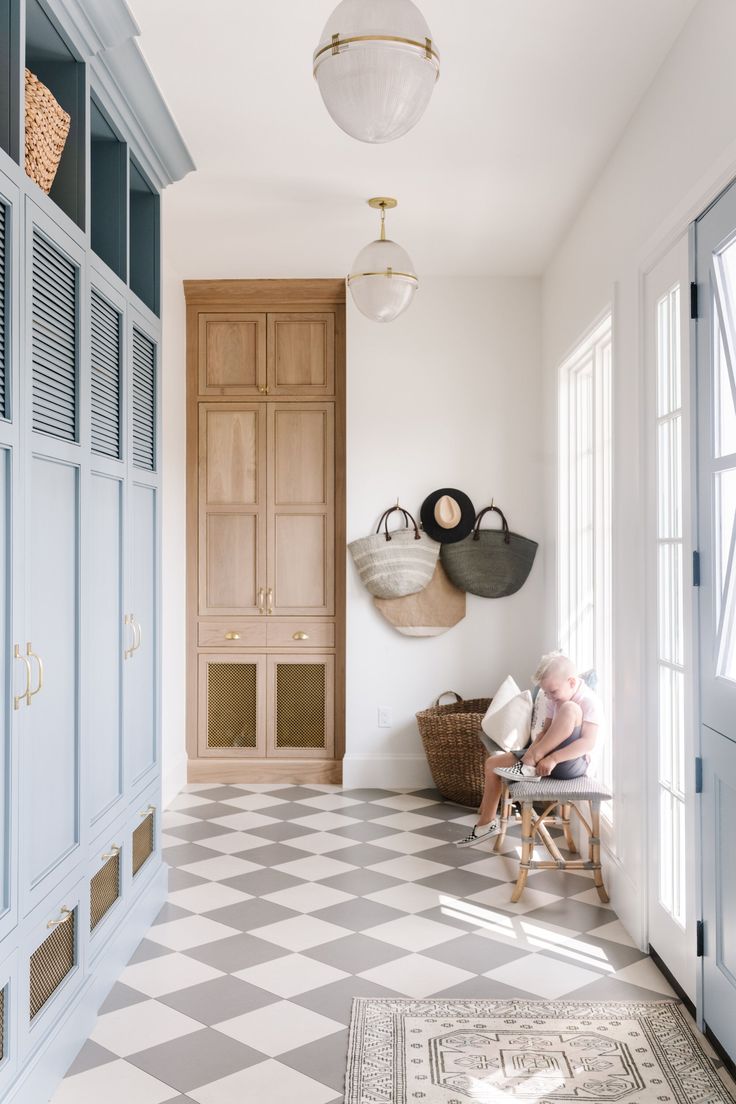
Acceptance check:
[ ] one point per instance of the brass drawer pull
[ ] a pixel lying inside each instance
(261, 595)
(269, 597)
(65, 915)
(148, 811)
(114, 850)
(232, 636)
(130, 620)
(300, 636)
(32, 655)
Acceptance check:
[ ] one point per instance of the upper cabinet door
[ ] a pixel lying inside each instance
(232, 508)
(301, 354)
(301, 509)
(232, 354)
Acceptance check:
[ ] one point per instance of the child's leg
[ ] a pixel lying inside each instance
(568, 717)
(493, 786)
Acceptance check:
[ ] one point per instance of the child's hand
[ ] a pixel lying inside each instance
(546, 766)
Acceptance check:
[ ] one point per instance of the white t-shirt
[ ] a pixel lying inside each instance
(589, 702)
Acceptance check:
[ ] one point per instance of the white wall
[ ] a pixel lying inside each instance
(678, 150)
(445, 396)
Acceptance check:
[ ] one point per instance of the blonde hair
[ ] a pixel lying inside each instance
(554, 663)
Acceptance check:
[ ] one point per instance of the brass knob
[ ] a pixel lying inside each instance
(300, 636)
(232, 636)
(65, 915)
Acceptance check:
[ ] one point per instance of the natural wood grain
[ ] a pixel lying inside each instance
(250, 633)
(244, 293)
(323, 771)
(280, 633)
(301, 354)
(232, 353)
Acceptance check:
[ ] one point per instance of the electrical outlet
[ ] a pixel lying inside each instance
(385, 717)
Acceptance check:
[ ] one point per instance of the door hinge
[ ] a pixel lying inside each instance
(693, 300)
(698, 774)
(696, 569)
(700, 938)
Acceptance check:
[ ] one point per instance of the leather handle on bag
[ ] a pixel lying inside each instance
(407, 518)
(496, 510)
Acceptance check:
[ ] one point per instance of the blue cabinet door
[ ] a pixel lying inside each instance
(141, 707)
(50, 824)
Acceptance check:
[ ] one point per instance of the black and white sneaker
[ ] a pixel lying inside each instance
(479, 834)
(519, 772)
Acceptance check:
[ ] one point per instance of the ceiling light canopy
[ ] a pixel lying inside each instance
(376, 66)
(382, 280)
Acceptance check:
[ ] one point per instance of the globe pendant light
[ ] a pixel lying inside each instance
(376, 66)
(382, 280)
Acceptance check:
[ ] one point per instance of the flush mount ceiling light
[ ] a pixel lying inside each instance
(376, 66)
(382, 280)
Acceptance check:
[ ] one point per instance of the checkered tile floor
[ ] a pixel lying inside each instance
(287, 901)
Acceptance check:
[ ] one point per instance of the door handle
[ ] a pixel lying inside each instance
(32, 655)
(260, 600)
(269, 596)
(129, 620)
(65, 914)
(111, 854)
(17, 699)
(136, 634)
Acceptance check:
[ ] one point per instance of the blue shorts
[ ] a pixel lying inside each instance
(573, 768)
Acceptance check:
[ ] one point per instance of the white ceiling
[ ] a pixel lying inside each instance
(532, 98)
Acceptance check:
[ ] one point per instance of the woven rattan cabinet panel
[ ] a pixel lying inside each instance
(265, 480)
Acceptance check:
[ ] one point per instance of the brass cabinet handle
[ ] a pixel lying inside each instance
(300, 636)
(260, 599)
(62, 919)
(17, 699)
(232, 636)
(146, 812)
(114, 850)
(136, 634)
(269, 596)
(264, 389)
(32, 655)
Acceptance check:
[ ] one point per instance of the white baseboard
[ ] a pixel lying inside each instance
(174, 779)
(386, 772)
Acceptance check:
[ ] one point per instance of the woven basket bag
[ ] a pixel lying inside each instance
(47, 129)
(452, 745)
(393, 565)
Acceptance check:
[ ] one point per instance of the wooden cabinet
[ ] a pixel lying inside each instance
(265, 473)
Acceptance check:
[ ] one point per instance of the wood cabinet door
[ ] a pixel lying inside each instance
(232, 354)
(232, 706)
(301, 711)
(232, 508)
(301, 354)
(301, 521)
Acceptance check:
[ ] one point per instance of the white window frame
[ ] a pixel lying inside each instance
(585, 518)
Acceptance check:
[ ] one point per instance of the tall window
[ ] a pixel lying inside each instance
(584, 564)
(671, 649)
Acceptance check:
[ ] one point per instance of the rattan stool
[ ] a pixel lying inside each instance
(555, 793)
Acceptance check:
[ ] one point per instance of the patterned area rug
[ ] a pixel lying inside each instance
(495, 1052)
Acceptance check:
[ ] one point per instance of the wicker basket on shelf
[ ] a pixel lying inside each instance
(47, 129)
(454, 752)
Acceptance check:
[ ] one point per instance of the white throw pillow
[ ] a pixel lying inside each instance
(509, 716)
(539, 713)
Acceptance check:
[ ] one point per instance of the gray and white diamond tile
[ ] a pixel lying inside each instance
(288, 901)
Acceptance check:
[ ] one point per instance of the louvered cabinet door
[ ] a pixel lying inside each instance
(301, 509)
(301, 695)
(232, 509)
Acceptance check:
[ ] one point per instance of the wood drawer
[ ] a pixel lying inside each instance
(232, 633)
(302, 634)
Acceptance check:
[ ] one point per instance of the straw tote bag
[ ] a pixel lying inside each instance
(431, 612)
(491, 563)
(392, 565)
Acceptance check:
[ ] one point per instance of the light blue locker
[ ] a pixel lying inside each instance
(141, 668)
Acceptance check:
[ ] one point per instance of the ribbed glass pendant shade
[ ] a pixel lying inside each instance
(376, 67)
(382, 280)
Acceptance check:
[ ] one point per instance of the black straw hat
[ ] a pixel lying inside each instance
(447, 515)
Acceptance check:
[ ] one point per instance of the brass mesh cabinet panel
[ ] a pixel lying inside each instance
(104, 890)
(143, 841)
(232, 697)
(51, 962)
(302, 722)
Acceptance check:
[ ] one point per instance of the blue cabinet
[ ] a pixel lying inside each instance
(81, 876)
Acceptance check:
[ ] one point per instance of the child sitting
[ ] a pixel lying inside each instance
(562, 749)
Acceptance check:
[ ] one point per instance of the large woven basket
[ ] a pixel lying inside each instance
(452, 745)
(47, 129)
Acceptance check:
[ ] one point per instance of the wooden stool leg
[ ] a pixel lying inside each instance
(567, 830)
(505, 807)
(527, 850)
(595, 850)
